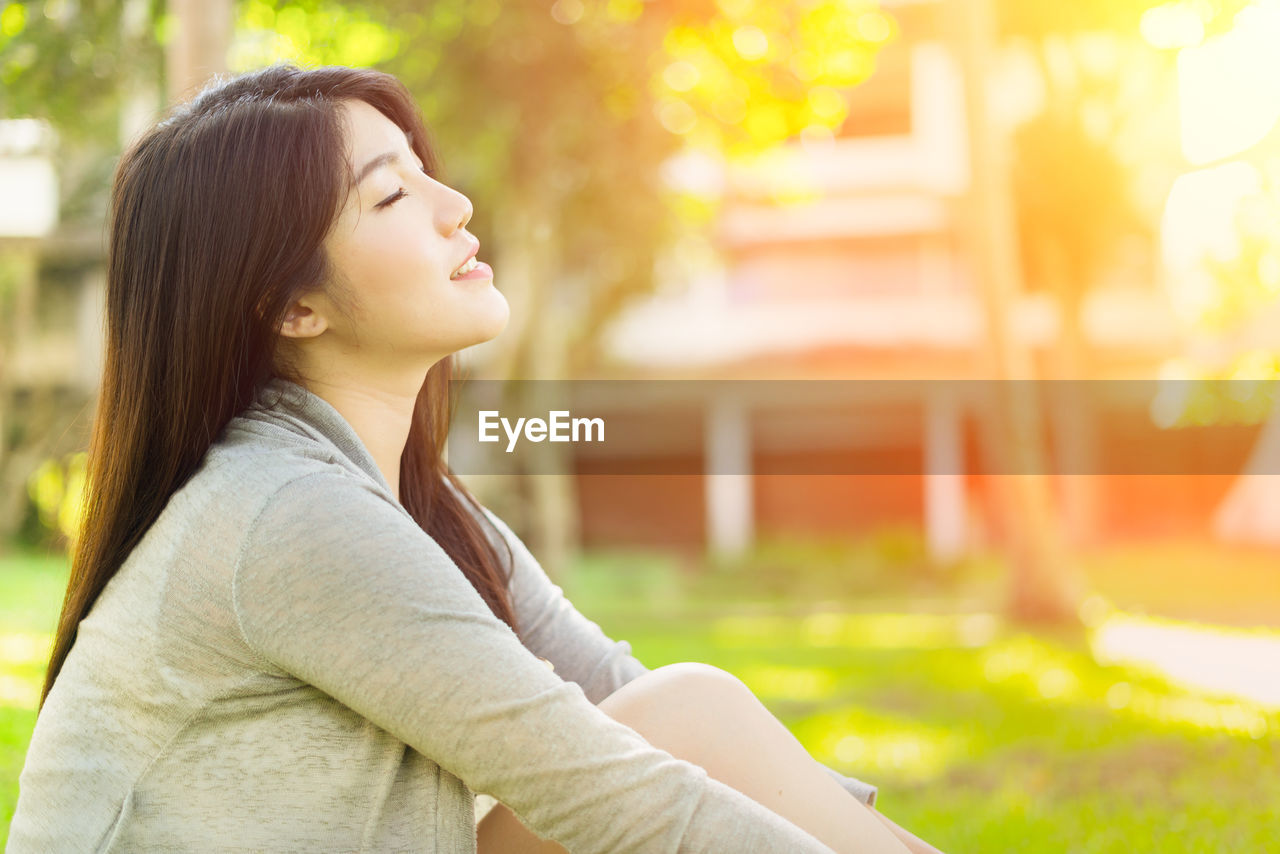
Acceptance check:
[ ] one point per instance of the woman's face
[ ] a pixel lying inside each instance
(395, 310)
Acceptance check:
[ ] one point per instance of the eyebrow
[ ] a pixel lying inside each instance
(382, 160)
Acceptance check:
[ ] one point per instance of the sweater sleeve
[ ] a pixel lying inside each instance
(340, 588)
(580, 650)
(552, 628)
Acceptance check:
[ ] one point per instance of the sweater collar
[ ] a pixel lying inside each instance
(295, 408)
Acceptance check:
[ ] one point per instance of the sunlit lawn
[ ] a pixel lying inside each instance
(982, 737)
(31, 591)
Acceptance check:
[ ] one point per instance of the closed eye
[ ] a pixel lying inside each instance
(397, 195)
(391, 199)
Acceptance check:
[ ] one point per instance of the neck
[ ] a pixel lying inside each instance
(381, 419)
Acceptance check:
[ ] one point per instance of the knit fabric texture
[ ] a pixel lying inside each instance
(288, 662)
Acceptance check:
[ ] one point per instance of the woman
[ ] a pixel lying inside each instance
(288, 626)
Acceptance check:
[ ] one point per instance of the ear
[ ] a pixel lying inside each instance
(302, 321)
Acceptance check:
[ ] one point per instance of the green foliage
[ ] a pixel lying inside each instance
(80, 66)
(554, 118)
(1248, 280)
(1198, 395)
(56, 489)
(1074, 199)
(71, 62)
(758, 74)
(308, 33)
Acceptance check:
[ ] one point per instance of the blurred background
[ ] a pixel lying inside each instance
(725, 190)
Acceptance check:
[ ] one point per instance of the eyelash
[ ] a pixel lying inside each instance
(396, 196)
(391, 200)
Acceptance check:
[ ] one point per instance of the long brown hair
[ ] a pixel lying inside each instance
(217, 222)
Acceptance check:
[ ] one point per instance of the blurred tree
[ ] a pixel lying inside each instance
(1076, 211)
(1237, 320)
(1231, 294)
(557, 118)
(1043, 585)
(1073, 206)
(1073, 185)
(1055, 222)
(81, 67)
(1244, 303)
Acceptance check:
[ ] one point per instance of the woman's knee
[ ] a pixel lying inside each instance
(670, 701)
(673, 681)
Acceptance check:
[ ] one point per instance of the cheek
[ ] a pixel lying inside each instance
(399, 249)
(371, 269)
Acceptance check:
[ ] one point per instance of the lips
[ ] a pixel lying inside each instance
(461, 272)
(481, 270)
(475, 247)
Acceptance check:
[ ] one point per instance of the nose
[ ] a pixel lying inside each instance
(456, 213)
(466, 211)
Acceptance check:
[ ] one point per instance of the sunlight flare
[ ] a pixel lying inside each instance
(1233, 662)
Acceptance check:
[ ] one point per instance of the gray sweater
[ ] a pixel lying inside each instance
(287, 662)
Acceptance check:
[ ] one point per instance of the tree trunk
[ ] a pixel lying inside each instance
(1072, 411)
(197, 49)
(535, 347)
(1042, 585)
(554, 496)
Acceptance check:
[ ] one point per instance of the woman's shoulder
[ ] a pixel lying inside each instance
(240, 478)
(262, 452)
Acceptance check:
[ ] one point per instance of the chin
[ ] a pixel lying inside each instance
(496, 320)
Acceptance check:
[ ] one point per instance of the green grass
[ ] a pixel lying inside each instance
(982, 736)
(31, 588)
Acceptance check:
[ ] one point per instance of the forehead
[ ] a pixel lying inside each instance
(369, 133)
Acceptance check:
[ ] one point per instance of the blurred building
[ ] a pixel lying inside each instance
(53, 335)
(51, 286)
(866, 279)
(839, 259)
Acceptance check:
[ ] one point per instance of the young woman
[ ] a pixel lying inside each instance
(288, 626)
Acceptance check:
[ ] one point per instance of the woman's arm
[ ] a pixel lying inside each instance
(583, 653)
(358, 601)
(580, 650)
(554, 629)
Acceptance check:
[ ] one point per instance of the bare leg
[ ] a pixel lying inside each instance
(914, 844)
(707, 716)
(500, 832)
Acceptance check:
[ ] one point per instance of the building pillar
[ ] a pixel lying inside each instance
(730, 506)
(945, 500)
